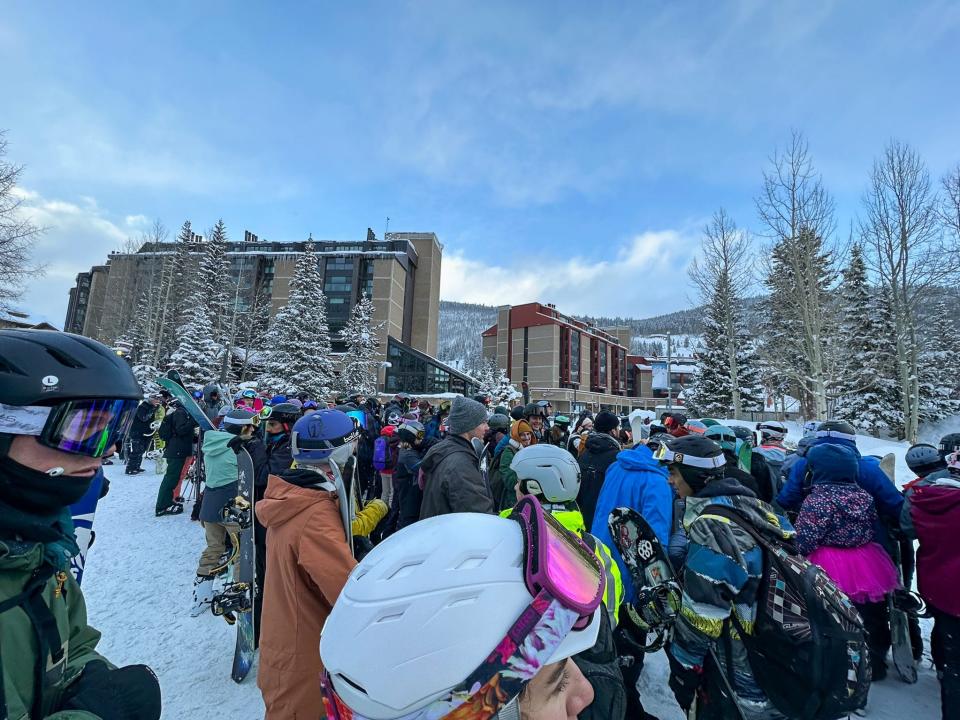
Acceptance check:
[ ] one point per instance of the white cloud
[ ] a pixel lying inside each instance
(645, 276)
(77, 235)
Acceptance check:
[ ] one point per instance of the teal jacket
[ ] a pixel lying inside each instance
(219, 461)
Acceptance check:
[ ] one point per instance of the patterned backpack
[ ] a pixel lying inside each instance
(808, 649)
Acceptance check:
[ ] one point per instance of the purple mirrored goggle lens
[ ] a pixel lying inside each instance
(87, 427)
(557, 561)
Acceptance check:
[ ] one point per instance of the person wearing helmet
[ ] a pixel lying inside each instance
(599, 451)
(924, 459)
(560, 431)
(767, 459)
(498, 428)
(536, 414)
(724, 437)
(66, 400)
(721, 575)
(277, 436)
(178, 430)
(140, 431)
(408, 496)
(220, 450)
(504, 652)
(308, 560)
(517, 412)
(502, 479)
(451, 468)
(887, 498)
(552, 476)
(931, 515)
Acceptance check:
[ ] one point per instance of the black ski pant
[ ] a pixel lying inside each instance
(138, 445)
(876, 621)
(945, 644)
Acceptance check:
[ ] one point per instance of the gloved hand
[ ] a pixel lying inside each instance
(127, 693)
(684, 681)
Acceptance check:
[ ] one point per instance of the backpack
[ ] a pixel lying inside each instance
(808, 650)
(600, 667)
(381, 454)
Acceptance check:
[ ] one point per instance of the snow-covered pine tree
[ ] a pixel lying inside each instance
(298, 355)
(196, 353)
(216, 277)
(939, 364)
(504, 391)
(863, 393)
(361, 337)
(176, 289)
(488, 377)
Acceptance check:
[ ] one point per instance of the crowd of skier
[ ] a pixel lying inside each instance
(456, 560)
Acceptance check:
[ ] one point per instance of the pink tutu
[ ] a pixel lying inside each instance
(865, 573)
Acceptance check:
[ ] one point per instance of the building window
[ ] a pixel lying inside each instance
(575, 356)
(526, 352)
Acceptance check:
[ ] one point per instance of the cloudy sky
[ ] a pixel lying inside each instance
(562, 151)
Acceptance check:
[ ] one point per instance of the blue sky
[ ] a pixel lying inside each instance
(567, 152)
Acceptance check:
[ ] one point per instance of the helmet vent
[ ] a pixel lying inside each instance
(404, 570)
(8, 367)
(351, 683)
(391, 615)
(471, 563)
(64, 359)
(463, 601)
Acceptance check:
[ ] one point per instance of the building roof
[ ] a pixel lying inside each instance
(13, 318)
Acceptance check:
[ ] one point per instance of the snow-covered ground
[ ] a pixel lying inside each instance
(138, 586)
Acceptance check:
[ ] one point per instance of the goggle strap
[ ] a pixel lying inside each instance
(670, 456)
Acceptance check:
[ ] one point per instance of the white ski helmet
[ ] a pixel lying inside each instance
(549, 471)
(434, 600)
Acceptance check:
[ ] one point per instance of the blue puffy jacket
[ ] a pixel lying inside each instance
(887, 498)
(635, 480)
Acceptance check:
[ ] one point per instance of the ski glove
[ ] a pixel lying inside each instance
(127, 693)
(684, 682)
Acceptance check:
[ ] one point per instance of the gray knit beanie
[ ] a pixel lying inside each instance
(465, 415)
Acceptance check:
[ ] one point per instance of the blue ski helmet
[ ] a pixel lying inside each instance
(723, 435)
(317, 435)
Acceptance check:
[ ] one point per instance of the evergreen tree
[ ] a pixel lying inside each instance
(176, 289)
(196, 353)
(216, 279)
(298, 356)
(939, 365)
(864, 391)
(362, 339)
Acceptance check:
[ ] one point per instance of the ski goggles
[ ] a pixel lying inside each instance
(249, 394)
(79, 427)
(567, 583)
(665, 455)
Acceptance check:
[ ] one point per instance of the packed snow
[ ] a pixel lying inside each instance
(138, 585)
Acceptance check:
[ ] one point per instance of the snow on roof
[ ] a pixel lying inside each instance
(23, 319)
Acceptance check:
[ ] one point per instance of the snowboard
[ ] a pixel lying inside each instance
(235, 602)
(900, 645)
(657, 593)
(186, 400)
(83, 511)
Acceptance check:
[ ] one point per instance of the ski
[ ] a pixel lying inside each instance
(900, 645)
(83, 511)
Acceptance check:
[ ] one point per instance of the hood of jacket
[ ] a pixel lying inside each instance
(601, 442)
(208, 392)
(444, 449)
(640, 458)
(220, 462)
(290, 495)
(729, 492)
(835, 441)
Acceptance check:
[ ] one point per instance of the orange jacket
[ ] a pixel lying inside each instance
(308, 561)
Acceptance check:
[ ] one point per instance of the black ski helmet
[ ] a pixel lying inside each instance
(837, 429)
(744, 433)
(517, 412)
(924, 459)
(499, 422)
(699, 459)
(235, 420)
(949, 444)
(45, 367)
(286, 414)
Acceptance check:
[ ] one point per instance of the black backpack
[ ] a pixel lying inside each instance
(808, 649)
(495, 480)
(600, 667)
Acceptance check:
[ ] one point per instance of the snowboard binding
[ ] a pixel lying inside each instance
(234, 598)
(239, 511)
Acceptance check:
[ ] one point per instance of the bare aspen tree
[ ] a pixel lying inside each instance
(17, 233)
(950, 205)
(903, 236)
(722, 275)
(798, 217)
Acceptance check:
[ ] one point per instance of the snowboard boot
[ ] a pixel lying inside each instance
(174, 509)
(202, 595)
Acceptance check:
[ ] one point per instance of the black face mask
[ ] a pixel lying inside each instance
(36, 492)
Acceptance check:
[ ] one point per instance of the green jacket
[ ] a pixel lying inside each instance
(509, 497)
(19, 644)
(219, 461)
